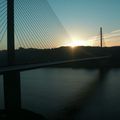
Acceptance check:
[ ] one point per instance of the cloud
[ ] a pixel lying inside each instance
(116, 31)
(113, 36)
(111, 39)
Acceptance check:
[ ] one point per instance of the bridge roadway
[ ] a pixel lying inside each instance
(41, 65)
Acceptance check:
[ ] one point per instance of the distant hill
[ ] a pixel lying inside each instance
(27, 56)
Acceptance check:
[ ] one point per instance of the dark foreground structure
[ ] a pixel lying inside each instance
(20, 115)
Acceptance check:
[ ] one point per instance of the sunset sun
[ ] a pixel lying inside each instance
(75, 43)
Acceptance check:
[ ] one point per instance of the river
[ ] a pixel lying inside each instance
(56, 92)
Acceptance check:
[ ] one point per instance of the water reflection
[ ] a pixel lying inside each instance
(81, 100)
(48, 91)
(105, 104)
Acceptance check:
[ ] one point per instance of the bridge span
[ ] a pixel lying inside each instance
(41, 65)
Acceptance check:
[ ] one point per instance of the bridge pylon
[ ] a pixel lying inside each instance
(101, 37)
(12, 95)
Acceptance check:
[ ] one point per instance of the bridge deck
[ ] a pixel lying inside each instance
(41, 65)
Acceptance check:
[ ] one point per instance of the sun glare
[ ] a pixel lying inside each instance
(75, 43)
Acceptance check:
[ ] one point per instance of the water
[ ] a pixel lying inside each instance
(105, 103)
(57, 91)
(48, 91)
(1, 93)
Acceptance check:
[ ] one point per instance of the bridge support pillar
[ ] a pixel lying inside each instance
(12, 91)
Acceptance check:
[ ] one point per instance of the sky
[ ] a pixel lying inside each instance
(83, 18)
(55, 23)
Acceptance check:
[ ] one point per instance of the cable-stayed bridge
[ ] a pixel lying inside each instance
(35, 26)
(29, 24)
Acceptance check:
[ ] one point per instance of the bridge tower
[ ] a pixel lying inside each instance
(10, 32)
(101, 37)
(11, 78)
